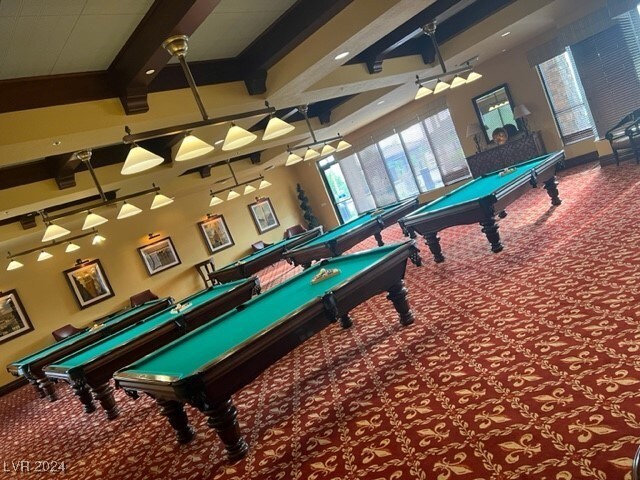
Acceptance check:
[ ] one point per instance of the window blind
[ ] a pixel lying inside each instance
(354, 176)
(608, 64)
(376, 174)
(446, 147)
(398, 167)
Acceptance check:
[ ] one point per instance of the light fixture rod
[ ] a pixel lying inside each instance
(237, 185)
(455, 71)
(430, 29)
(85, 157)
(52, 243)
(193, 86)
(235, 180)
(304, 110)
(317, 142)
(175, 129)
(47, 217)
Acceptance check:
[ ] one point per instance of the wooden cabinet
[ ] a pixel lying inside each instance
(517, 150)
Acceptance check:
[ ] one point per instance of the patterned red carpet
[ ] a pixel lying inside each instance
(520, 365)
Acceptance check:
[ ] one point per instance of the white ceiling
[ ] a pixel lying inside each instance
(47, 37)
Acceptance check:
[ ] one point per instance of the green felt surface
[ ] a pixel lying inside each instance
(257, 254)
(480, 187)
(118, 339)
(75, 338)
(188, 354)
(355, 223)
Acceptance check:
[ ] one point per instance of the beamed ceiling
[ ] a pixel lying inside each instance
(74, 73)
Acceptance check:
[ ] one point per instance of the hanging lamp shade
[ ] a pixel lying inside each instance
(139, 160)
(160, 200)
(14, 265)
(473, 76)
(342, 145)
(310, 154)
(327, 149)
(232, 194)
(457, 81)
(191, 147)
(44, 256)
(54, 231)
(237, 137)
(264, 184)
(71, 247)
(441, 86)
(93, 220)
(292, 159)
(127, 210)
(249, 189)
(422, 92)
(97, 239)
(276, 128)
(215, 200)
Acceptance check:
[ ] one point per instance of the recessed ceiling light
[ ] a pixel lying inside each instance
(380, 102)
(340, 56)
(56, 143)
(504, 50)
(219, 142)
(505, 34)
(151, 71)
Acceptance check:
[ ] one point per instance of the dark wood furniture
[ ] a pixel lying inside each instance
(624, 137)
(88, 371)
(252, 264)
(340, 239)
(481, 200)
(280, 321)
(516, 150)
(142, 298)
(65, 332)
(205, 269)
(31, 367)
(293, 231)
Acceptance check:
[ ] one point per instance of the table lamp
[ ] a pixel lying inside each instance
(474, 130)
(522, 112)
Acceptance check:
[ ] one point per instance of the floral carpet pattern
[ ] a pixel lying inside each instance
(520, 365)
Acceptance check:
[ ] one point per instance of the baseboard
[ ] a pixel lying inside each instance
(10, 387)
(611, 160)
(580, 160)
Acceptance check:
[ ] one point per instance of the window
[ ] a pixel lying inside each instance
(567, 100)
(416, 158)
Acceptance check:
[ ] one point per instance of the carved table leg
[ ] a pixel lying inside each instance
(174, 411)
(490, 229)
(415, 257)
(345, 321)
(433, 242)
(378, 237)
(398, 295)
(47, 387)
(502, 214)
(223, 417)
(104, 394)
(83, 393)
(551, 186)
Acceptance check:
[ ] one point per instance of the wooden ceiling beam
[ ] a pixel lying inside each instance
(143, 50)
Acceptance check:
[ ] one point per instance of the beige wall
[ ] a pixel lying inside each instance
(49, 302)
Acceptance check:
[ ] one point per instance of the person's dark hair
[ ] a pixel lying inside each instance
(499, 130)
(511, 129)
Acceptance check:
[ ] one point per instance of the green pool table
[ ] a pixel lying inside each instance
(340, 239)
(31, 366)
(205, 367)
(252, 264)
(90, 369)
(481, 200)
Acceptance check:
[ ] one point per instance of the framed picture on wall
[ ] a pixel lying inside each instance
(216, 233)
(263, 215)
(14, 320)
(158, 256)
(88, 283)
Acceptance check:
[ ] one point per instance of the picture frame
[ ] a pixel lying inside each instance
(215, 233)
(159, 256)
(263, 215)
(88, 283)
(14, 320)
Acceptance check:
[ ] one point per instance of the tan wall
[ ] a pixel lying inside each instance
(50, 303)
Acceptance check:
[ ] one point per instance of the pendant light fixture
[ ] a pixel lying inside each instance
(93, 220)
(248, 189)
(292, 159)
(237, 137)
(276, 127)
(71, 247)
(54, 231)
(263, 184)
(43, 255)
(191, 147)
(139, 159)
(14, 265)
(128, 210)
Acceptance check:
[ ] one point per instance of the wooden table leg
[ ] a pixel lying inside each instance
(433, 242)
(177, 417)
(398, 295)
(83, 393)
(224, 418)
(104, 394)
(551, 186)
(490, 229)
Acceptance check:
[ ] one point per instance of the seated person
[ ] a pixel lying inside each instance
(511, 130)
(500, 136)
